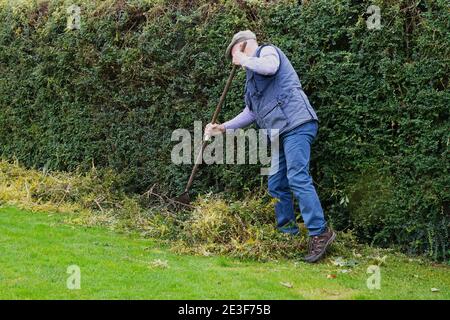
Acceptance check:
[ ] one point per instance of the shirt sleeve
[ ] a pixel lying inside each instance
(243, 119)
(267, 63)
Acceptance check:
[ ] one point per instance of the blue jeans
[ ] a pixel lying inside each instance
(292, 177)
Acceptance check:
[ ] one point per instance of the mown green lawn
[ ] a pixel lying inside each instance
(37, 248)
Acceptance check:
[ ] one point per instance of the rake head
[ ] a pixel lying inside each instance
(183, 198)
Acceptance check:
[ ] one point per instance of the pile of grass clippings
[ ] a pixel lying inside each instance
(213, 225)
(244, 228)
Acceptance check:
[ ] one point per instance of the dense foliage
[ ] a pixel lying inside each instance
(111, 93)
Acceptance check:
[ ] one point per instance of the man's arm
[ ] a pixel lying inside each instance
(243, 119)
(267, 63)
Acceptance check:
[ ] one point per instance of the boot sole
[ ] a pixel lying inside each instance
(319, 256)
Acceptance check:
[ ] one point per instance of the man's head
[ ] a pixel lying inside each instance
(238, 39)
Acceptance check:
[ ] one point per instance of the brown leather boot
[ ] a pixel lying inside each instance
(318, 245)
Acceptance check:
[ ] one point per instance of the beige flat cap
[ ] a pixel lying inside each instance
(239, 37)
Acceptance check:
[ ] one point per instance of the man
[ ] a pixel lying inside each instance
(275, 100)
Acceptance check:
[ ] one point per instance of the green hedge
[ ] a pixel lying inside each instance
(111, 93)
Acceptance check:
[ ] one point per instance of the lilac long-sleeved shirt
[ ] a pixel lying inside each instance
(267, 64)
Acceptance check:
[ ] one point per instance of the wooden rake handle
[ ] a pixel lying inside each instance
(213, 120)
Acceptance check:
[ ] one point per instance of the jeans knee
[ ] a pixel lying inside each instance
(277, 189)
(300, 181)
(274, 190)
